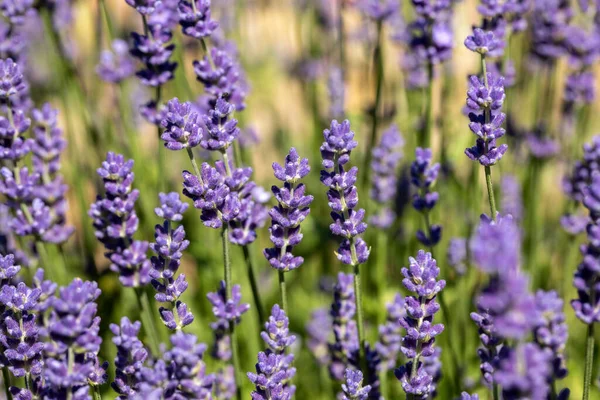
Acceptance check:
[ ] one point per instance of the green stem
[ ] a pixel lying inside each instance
(96, 392)
(495, 391)
(428, 127)
(147, 319)
(226, 259)
(283, 291)
(254, 285)
(6, 382)
(360, 320)
(589, 362)
(378, 64)
(490, 190)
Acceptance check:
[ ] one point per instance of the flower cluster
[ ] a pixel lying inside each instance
(342, 194)
(353, 387)
(551, 332)
(524, 373)
(420, 278)
(292, 209)
(423, 175)
(169, 244)
(386, 158)
(390, 333)
(274, 369)
(182, 126)
(131, 355)
(116, 65)
(115, 222)
(195, 18)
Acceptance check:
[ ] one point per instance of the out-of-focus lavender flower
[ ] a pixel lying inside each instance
(345, 346)
(337, 93)
(576, 184)
(318, 330)
(342, 194)
(130, 358)
(17, 11)
(292, 209)
(420, 278)
(388, 346)
(378, 10)
(484, 102)
(248, 138)
(586, 305)
(580, 88)
(457, 255)
(353, 387)
(12, 82)
(433, 366)
(512, 199)
(496, 245)
(423, 175)
(72, 354)
(542, 147)
(154, 51)
(115, 222)
(182, 126)
(169, 245)
(484, 43)
(574, 223)
(549, 22)
(116, 65)
(524, 373)
(386, 158)
(195, 18)
(467, 396)
(552, 332)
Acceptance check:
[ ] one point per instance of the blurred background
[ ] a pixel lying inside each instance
(288, 49)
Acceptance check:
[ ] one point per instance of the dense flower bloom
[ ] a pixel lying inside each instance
(169, 245)
(115, 222)
(130, 358)
(353, 387)
(12, 82)
(154, 51)
(390, 333)
(221, 130)
(551, 332)
(291, 210)
(73, 327)
(586, 306)
(386, 158)
(195, 18)
(342, 194)
(484, 101)
(524, 373)
(420, 278)
(344, 348)
(423, 175)
(181, 126)
(116, 65)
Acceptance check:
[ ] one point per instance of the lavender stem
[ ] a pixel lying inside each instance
(490, 190)
(283, 290)
(254, 285)
(360, 318)
(589, 362)
(6, 382)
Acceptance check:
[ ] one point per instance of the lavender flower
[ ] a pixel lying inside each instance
(195, 18)
(524, 373)
(551, 332)
(130, 358)
(342, 194)
(586, 305)
(73, 327)
(421, 279)
(318, 329)
(154, 52)
(512, 200)
(542, 147)
(378, 10)
(484, 43)
(115, 222)
(228, 309)
(292, 209)
(484, 101)
(386, 158)
(353, 388)
(336, 90)
(116, 65)
(345, 346)
(390, 338)
(457, 255)
(423, 176)
(221, 131)
(576, 184)
(549, 29)
(182, 126)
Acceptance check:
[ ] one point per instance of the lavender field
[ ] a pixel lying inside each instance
(299, 199)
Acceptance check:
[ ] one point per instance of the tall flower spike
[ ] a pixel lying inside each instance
(552, 332)
(195, 18)
(115, 222)
(390, 333)
(130, 358)
(420, 278)
(342, 194)
(524, 373)
(384, 167)
(345, 345)
(423, 175)
(291, 210)
(353, 387)
(169, 245)
(181, 126)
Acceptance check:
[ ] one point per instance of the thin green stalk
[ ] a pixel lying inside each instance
(147, 319)
(589, 362)
(490, 190)
(283, 291)
(360, 318)
(6, 382)
(254, 285)
(495, 391)
(378, 65)
(226, 260)
(96, 392)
